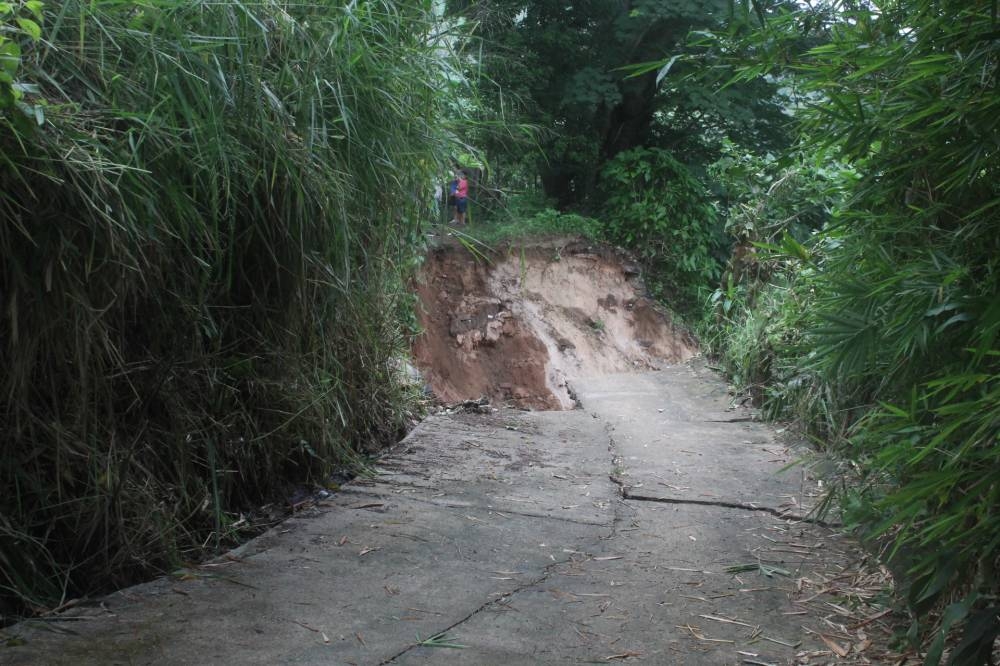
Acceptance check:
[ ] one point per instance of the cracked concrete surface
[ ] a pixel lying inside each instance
(607, 534)
(629, 495)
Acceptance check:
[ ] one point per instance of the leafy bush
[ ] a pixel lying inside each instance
(655, 207)
(204, 248)
(757, 320)
(19, 22)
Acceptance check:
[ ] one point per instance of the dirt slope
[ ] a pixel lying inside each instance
(521, 328)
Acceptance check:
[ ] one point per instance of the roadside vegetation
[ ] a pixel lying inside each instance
(208, 213)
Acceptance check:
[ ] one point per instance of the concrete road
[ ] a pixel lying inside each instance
(654, 525)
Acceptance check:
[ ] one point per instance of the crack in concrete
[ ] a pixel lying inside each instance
(726, 505)
(544, 516)
(546, 574)
(617, 463)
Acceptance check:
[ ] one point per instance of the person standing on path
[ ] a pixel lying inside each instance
(461, 197)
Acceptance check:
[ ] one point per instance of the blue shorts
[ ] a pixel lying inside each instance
(461, 204)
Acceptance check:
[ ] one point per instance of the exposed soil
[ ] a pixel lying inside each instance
(521, 328)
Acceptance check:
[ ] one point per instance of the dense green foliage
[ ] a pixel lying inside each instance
(759, 315)
(20, 21)
(568, 67)
(657, 209)
(880, 332)
(204, 242)
(619, 134)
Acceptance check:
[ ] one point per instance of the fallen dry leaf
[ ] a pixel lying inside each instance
(623, 655)
(838, 649)
(306, 626)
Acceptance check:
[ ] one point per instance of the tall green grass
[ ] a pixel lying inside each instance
(204, 247)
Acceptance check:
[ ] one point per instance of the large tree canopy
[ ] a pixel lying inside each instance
(569, 63)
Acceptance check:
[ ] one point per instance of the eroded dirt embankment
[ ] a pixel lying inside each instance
(522, 327)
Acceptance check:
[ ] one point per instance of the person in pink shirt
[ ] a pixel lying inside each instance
(461, 197)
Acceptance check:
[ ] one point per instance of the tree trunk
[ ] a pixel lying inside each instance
(558, 184)
(627, 124)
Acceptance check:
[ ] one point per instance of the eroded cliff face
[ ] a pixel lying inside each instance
(520, 328)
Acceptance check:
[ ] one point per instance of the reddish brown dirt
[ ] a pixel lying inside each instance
(521, 328)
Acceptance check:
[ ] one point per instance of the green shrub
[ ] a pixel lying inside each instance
(758, 320)
(19, 23)
(204, 251)
(657, 209)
